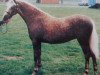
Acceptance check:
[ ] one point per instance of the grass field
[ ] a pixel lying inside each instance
(16, 54)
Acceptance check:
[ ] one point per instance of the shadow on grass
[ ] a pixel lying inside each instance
(40, 72)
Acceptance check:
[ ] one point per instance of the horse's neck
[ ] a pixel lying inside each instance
(30, 13)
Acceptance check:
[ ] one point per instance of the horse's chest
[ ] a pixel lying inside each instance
(36, 32)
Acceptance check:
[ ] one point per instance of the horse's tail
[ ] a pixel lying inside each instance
(94, 42)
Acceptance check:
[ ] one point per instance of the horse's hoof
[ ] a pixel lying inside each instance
(33, 73)
(95, 73)
(85, 74)
(36, 70)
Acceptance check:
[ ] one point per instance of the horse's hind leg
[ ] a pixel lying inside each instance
(87, 52)
(94, 62)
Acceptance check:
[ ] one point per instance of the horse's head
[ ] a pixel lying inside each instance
(10, 11)
(23, 8)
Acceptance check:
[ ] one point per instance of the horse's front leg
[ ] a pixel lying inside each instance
(37, 55)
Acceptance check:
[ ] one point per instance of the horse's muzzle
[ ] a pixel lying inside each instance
(1, 23)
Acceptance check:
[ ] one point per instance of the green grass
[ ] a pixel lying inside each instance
(58, 59)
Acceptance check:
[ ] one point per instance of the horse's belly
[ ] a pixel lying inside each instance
(57, 39)
(56, 42)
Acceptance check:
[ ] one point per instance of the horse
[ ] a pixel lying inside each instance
(44, 28)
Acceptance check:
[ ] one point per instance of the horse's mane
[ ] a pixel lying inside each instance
(25, 2)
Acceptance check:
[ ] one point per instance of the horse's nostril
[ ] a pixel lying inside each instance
(1, 22)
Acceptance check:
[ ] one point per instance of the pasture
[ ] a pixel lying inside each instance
(16, 53)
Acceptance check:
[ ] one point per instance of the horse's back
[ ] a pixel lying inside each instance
(66, 29)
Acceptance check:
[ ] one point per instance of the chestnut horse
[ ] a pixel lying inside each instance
(43, 28)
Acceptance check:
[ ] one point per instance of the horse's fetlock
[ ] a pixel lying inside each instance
(96, 69)
(86, 71)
